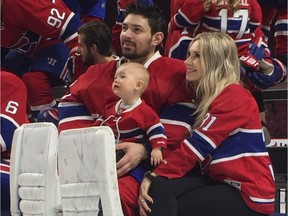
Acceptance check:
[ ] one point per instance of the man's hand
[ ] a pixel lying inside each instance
(135, 153)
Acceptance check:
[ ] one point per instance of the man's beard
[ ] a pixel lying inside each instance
(132, 54)
(89, 60)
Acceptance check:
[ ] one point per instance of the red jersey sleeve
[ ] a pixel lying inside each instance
(189, 14)
(52, 19)
(13, 107)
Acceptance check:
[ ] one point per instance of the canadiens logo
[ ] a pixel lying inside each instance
(27, 43)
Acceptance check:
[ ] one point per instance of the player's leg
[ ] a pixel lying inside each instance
(45, 69)
(39, 91)
(128, 189)
(15, 62)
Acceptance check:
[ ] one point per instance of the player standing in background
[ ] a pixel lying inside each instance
(275, 12)
(40, 35)
(12, 116)
(237, 18)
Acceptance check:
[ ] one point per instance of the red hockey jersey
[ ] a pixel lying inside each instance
(239, 24)
(229, 147)
(134, 124)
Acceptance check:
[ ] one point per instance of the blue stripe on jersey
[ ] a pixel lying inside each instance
(139, 172)
(179, 50)
(73, 111)
(266, 31)
(200, 144)
(73, 6)
(238, 143)
(233, 25)
(156, 130)
(71, 28)
(179, 112)
(7, 131)
(281, 26)
(182, 21)
(132, 133)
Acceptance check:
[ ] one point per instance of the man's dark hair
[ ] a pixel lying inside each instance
(153, 13)
(97, 32)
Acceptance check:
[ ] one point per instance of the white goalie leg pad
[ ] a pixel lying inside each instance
(87, 155)
(81, 204)
(80, 189)
(31, 179)
(32, 207)
(80, 197)
(34, 166)
(32, 193)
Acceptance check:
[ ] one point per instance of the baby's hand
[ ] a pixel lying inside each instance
(156, 157)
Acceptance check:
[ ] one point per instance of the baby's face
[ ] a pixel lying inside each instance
(124, 83)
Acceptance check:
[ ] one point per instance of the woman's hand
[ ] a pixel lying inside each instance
(144, 198)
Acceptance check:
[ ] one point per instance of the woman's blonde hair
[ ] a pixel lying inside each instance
(233, 4)
(220, 65)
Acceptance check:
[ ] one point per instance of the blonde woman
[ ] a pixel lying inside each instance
(241, 20)
(223, 168)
